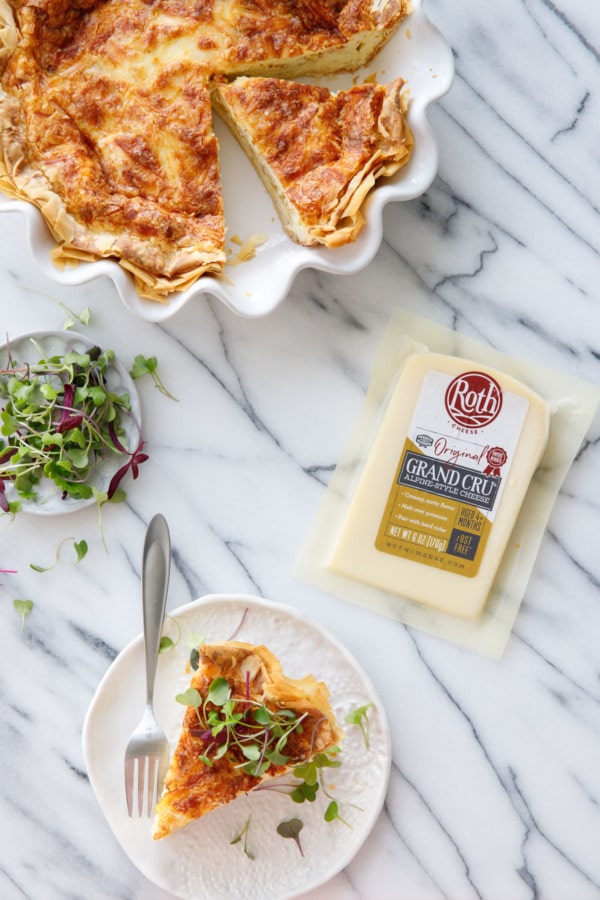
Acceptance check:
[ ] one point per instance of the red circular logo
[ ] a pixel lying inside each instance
(473, 399)
(496, 456)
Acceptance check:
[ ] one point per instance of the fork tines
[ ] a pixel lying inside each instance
(143, 773)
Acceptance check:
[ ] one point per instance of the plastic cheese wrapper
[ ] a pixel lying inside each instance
(438, 505)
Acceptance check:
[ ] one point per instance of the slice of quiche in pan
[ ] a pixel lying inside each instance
(318, 153)
(246, 723)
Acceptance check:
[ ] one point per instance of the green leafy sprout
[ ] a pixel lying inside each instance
(243, 835)
(59, 421)
(23, 608)
(359, 717)
(84, 317)
(80, 548)
(250, 734)
(148, 365)
(167, 643)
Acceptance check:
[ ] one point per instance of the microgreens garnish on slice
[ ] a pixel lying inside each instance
(143, 365)
(60, 420)
(23, 608)
(80, 547)
(359, 717)
(291, 828)
(244, 834)
(253, 736)
(194, 640)
(311, 776)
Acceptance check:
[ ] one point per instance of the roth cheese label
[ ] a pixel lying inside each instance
(448, 484)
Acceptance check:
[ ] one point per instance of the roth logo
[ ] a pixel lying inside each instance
(473, 399)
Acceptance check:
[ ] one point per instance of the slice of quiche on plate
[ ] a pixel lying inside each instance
(245, 723)
(318, 153)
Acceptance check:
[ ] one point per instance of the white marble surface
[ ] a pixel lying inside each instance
(495, 785)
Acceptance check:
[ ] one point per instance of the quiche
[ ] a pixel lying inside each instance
(106, 120)
(248, 723)
(318, 153)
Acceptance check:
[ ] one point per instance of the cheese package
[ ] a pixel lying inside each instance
(443, 483)
(439, 502)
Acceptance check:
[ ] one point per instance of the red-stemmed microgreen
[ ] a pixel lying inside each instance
(291, 828)
(23, 608)
(244, 835)
(136, 458)
(143, 365)
(239, 626)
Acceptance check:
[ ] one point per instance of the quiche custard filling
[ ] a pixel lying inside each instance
(106, 119)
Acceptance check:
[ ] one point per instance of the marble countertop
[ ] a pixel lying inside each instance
(495, 783)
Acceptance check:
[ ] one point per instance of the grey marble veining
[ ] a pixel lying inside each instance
(495, 785)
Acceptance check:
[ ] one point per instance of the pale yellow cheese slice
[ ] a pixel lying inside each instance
(434, 526)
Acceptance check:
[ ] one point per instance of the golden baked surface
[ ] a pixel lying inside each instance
(194, 787)
(320, 152)
(106, 123)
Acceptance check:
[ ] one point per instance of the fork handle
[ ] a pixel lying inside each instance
(155, 581)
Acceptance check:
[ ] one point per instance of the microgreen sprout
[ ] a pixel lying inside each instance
(143, 365)
(194, 640)
(250, 734)
(359, 717)
(8, 571)
(23, 608)
(244, 834)
(291, 828)
(80, 547)
(83, 317)
(166, 643)
(332, 813)
(239, 626)
(60, 420)
(311, 776)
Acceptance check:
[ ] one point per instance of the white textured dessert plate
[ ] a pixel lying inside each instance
(419, 54)
(199, 862)
(36, 345)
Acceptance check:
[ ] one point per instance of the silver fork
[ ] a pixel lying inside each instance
(147, 752)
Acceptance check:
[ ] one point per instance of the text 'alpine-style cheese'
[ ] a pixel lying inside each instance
(443, 483)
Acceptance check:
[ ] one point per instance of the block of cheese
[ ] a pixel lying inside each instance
(443, 483)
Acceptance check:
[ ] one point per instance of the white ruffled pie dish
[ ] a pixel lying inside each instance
(419, 54)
